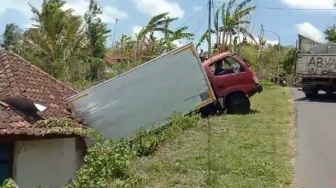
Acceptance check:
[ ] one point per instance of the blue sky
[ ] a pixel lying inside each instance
(133, 14)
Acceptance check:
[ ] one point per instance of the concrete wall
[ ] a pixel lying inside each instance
(46, 163)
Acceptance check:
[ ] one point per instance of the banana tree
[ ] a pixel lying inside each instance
(232, 22)
(158, 23)
(178, 34)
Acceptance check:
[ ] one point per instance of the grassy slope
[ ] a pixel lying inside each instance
(246, 151)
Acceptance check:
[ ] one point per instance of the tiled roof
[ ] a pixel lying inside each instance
(19, 77)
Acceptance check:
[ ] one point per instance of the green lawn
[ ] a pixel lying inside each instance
(252, 151)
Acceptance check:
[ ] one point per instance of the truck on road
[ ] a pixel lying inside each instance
(316, 67)
(175, 82)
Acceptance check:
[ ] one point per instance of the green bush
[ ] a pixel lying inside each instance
(104, 161)
(9, 183)
(107, 163)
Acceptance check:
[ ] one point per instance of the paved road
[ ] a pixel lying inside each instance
(316, 132)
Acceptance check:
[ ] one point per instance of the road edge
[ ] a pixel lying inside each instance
(294, 142)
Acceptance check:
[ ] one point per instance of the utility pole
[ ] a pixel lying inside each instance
(115, 30)
(209, 28)
(279, 50)
(261, 36)
(208, 120)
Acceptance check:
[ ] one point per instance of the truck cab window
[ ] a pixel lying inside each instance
(227, 65)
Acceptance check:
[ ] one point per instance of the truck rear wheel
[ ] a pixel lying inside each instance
(238, 103)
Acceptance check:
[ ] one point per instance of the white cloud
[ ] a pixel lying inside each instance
(270, 42)
(79, 6)
(136, 29)
(197, 8)
(110, 13)
(310, 4)
(308, 30)
(19, 5)
(155, 7)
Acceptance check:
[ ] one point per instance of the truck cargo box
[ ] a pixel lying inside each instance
(149, 94)
(316, 65)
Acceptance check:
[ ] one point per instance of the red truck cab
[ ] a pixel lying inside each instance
(233, 82)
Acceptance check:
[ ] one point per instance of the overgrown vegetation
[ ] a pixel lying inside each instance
(109, 161)
(245, 151)
(74, 49)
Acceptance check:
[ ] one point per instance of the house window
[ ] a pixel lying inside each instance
(6, 161)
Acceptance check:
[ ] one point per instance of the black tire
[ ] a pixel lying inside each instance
(311, 95)
(238, 103)
(208, 110)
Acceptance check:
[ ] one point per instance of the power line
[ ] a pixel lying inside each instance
(301, 9)
(191, 17)
(199, 27)
(295, 9)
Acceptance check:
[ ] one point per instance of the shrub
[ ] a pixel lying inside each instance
(104, 161)
(9, 183)
(107, 163)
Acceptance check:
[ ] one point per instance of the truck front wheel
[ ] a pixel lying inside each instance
(311, 95)
(238, 103)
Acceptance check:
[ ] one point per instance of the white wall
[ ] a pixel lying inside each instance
(46, 163)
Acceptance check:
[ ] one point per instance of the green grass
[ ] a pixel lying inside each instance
(251, 151)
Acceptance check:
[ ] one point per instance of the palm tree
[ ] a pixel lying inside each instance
(232, 22)
(56, 37)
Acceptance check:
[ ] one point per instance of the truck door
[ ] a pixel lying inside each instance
(233, 76)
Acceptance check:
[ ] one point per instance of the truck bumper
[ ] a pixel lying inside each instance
(257, 89)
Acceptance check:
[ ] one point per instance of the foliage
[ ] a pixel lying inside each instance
(66, 126)
(272, 60)
(289, 60)
(229, 22)
(330, 33)
(54, 38)
(11, 36)
(112, 159)
(97, 36)
(73, 48)
(104, 161)
(9, 183)
(253, 150)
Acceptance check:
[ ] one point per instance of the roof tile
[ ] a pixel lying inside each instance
(18, 77)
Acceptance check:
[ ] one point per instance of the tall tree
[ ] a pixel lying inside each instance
(330, 33)
(97, 34)
(55, 38)
(11, 37)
